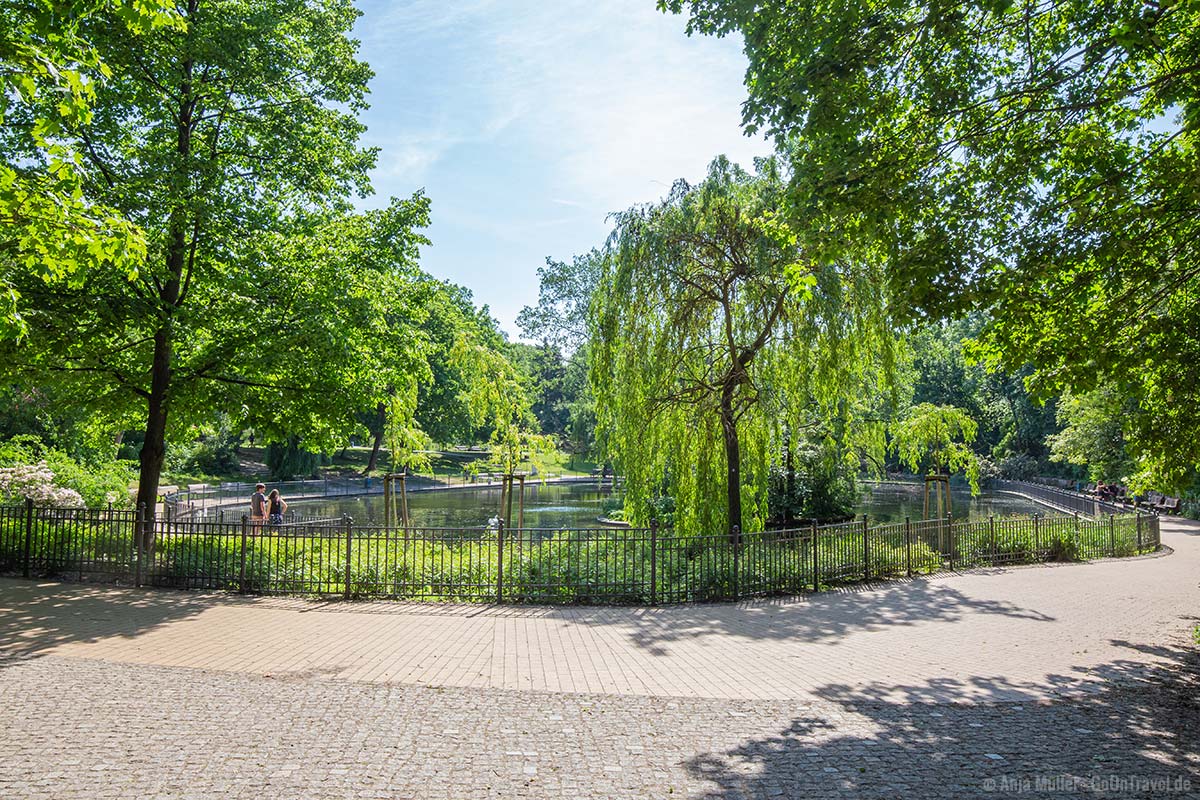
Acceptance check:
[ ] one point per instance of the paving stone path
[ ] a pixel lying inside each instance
(1045, 681)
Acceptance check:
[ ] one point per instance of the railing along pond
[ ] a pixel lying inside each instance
(532, 565)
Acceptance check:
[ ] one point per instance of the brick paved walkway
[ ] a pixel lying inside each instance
(949, 686)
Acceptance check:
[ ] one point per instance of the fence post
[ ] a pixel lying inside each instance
(500, 560)
(1138, 514)
(242, 557)
(348, 523)
(1037, 546)
(816, 566)
(908, 546)
(1112, 534)
(138, 549)
(25, 572)
(866, 551)
(653, 560)
(737, 546)
(992, 534)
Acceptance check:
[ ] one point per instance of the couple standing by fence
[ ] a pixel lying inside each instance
(267, 508)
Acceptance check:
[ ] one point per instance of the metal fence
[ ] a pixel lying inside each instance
(531, 565)
(1062, 499)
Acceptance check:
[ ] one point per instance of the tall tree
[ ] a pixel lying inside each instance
(713, 326)
(224, 142)
(1036, 158)
(564, 291)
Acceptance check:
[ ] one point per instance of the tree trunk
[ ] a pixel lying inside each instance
(733, 462)
(154, 448)
(381, 420)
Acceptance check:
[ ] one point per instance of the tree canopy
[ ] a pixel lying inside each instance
(1034, 159)
(714, 331)
(232, 143)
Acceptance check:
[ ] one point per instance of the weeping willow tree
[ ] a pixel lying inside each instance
(496, 398)
(938, 437)
(715, 334)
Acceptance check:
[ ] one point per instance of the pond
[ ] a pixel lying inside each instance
(569, 505)
(577, 505)
(892, 502)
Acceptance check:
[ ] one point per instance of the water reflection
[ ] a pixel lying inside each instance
(578, 505)
(892, 502)
(575, 505)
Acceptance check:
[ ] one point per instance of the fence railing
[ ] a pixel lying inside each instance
(1062, 499)
(532, 565)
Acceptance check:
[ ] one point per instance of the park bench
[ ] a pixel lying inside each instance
(1168, 505)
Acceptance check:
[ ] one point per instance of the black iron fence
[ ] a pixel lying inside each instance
(595, 565)
(1061, 499)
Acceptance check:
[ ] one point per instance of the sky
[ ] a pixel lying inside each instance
(528, 121)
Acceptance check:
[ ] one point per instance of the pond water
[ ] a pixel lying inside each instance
(570, 505)
(892, 502)
(577, 505)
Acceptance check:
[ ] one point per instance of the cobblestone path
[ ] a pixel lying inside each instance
(1042, 681)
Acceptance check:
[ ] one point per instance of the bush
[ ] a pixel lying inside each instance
(52, 478)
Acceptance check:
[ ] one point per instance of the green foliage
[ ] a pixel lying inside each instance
(233, 141)
(442, 410)
(99, 484)
(564, 294)
(937, 438)
(1035, 162)
(407, 444)
(544, 374)
(1093, 433)
(208, 449)
(49, 70)
(497, 398)
(288, 460)
(714, 330)
(1013, 426)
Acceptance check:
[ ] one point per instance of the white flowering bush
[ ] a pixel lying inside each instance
(36, 482)
(52, 478)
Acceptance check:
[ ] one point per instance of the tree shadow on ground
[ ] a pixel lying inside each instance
(824, 617)
(1134, 733)
(38, 616)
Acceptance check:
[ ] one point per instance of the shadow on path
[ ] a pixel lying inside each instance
(36, 616)
(825, 617)
(1135, 734)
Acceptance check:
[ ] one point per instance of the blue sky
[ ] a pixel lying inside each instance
(528, 121)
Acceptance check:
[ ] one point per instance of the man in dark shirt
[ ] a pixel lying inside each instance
(258, 503)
